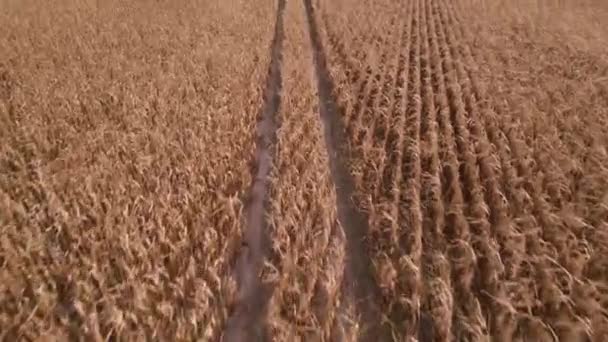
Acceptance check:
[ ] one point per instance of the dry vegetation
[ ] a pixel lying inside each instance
(125, 136)
(307, 256)
(499, 173)
(474, 133)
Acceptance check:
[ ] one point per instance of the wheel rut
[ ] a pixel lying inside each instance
(246, 321)
(359, 281)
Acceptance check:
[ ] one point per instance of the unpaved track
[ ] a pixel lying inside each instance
(247, 321)
(358, 281)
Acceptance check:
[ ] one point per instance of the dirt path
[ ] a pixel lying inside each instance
(359, 281)
(246, 322)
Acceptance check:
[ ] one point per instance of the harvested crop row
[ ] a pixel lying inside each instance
(442, 295)
(405, 241)
(346, 44)
(307, 262)
(395, 193)
(362, 114)
(395, 251)
(125, 136)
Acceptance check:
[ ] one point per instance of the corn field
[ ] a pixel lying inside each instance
(304, 170)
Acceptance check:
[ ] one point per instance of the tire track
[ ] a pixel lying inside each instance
(359, 281)
(306, 262)
(246, 322)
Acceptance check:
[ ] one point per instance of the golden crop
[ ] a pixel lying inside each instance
(304, 170)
